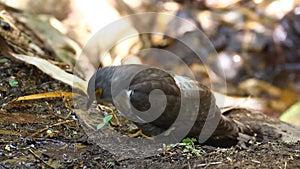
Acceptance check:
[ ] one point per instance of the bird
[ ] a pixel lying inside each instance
(180, 105)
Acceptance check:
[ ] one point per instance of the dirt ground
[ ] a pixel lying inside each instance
(46, 133)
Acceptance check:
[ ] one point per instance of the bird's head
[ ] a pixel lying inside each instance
(99, 86)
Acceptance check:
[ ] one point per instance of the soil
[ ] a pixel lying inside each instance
(46, 133)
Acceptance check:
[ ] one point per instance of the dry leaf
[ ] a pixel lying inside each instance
(54, 71)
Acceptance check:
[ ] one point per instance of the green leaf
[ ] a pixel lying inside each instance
(186, 150)
(186, 140)
(107, 118)
(100, 125)
(194, 140)
(13, 83)
(189, 140)
(3, 60)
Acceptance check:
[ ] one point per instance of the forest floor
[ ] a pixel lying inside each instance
(46, 133)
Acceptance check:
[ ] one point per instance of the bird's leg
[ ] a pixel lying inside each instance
(116, 121)
(139, 133)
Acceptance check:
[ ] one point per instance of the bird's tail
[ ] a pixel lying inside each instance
(231, 132)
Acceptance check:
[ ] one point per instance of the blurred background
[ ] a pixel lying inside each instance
(257, 42)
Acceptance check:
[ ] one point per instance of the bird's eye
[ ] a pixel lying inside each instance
(98, 92)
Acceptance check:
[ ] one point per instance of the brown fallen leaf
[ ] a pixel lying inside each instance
(46, 95)
(20, 118)
(9, 132)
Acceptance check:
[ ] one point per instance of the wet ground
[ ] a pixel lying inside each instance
(46, 133)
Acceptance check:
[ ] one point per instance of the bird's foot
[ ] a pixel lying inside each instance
(244, 140)
(248, 135)
(140, 133)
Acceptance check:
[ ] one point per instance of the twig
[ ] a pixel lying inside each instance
(285, 164)
(206, 165)
(39, 158)
(189, 165)
(255, 161)
(46, 128)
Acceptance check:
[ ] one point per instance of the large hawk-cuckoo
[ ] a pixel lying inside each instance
(138, 81)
